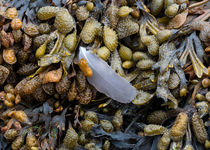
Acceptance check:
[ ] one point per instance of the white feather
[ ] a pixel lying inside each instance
(107, 81)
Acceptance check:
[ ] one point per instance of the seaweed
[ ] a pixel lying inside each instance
(27, 9)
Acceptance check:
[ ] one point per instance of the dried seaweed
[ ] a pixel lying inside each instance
(27, 9)
(161, 57)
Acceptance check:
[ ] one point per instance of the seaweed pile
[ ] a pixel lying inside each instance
(111, 75)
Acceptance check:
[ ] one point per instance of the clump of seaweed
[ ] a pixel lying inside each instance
(104, 74)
